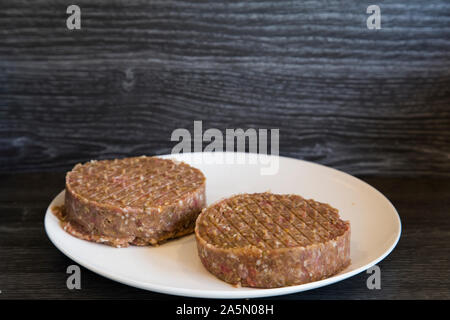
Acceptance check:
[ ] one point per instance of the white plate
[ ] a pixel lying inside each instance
(174, 268)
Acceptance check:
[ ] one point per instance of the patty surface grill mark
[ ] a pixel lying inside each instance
(217, 233)
(276, 221)
(112, 184)
(312, 216)
(143, 180)
(323, 220)
(264, 233)
(173, 189)
(282, 219)
(149, 180)
(310, 223)
(300, 220)
(220, 222)
(330, 212)
(117, 172)
(243, 227)
(295, 221)
(263, 239)
(278, 230)
(153, 188)
(104, 186)
(288, 220)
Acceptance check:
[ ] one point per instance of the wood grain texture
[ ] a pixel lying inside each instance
(363, 101)
(31, 267)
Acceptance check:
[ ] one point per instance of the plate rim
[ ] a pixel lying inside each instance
(219, 294)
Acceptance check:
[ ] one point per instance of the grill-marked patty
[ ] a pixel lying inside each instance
(269, 240)
(140, 200)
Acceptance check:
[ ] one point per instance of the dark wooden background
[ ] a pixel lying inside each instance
(374, 103)
(365, 101)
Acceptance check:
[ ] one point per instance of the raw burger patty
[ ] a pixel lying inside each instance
(140, 201)
(267, 240)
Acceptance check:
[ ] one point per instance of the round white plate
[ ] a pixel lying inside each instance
(174, 267)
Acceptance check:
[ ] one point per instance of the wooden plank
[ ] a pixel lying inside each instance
(31, 267)
(363, 101)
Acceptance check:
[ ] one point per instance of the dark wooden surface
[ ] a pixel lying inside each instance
(367, 102)
(31, 267)
(372, 103)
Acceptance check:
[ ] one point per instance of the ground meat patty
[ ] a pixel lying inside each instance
(140, 201)
(268, 240)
